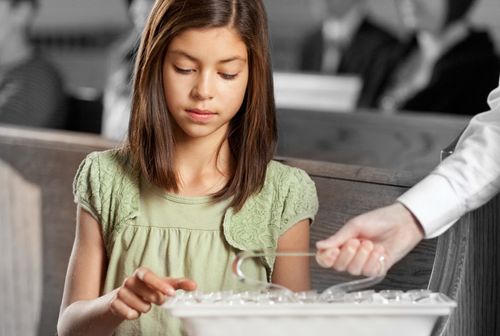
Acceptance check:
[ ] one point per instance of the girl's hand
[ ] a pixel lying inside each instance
(142, 289)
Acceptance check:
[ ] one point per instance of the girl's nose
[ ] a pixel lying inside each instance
(203, 88)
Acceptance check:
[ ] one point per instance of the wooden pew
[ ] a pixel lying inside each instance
(20, 246)
(405, 141)
(453, 264)
(49, 159)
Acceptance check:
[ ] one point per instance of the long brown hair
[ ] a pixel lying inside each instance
(252, 132)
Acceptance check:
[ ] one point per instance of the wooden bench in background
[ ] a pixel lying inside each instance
(404, 141)
(49, 159)
(463, 263)
(20, 246)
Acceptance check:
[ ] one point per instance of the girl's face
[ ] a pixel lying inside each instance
(205, 76)
(423, 15)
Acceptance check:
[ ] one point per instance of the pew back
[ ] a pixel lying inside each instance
(50, 160)
(404, 141)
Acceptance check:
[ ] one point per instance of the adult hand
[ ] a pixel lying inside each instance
(135, 296)
(389, 233)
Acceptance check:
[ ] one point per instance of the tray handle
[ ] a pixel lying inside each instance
(338, 289)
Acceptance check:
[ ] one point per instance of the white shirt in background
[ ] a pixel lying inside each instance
(465, 180)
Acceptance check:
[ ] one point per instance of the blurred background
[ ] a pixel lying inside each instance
(391, 95)
(77, 33)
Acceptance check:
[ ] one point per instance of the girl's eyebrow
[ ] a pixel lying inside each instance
(194, 59)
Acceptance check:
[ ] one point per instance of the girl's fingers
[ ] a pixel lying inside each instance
(120, 309)
(347, 253)
(375, 265)
(183, 283)
(146, 293)
(147, 285)
(153, 281)
(355, 267)
(133, 301)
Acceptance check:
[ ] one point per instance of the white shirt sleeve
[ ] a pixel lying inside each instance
(465, 180)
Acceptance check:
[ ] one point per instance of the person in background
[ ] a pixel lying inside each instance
(194, 184)
(31, 89)
(445, 61)
(117, 91)
(464, 181)
(346, 42)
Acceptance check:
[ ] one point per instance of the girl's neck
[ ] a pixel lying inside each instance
(203, 167)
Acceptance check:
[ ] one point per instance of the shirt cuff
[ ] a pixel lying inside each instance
(434, 203)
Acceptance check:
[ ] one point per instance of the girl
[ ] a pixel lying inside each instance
(195, 182)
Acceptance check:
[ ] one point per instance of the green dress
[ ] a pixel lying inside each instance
(180, 236)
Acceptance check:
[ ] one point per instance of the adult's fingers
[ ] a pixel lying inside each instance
(347, 253)
(355, 267)
(346, 232)
(326, 258)
(377, 263)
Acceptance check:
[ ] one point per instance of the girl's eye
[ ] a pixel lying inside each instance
(228, 76)
(183, 70)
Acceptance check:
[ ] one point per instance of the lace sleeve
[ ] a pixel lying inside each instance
(301, 201)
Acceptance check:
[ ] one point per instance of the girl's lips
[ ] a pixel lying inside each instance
(200, 111)
(200, 115)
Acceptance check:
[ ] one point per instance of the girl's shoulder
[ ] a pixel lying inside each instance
(105, 172)
(282, 176)
(287, 197)
(107, 186)
(288, 190)
(115, 159)
(108, 167)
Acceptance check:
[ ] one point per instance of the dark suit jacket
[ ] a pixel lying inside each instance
(460, 83)
(358, 55)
